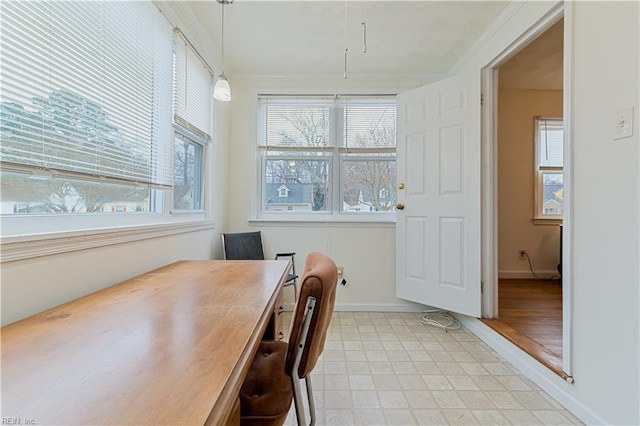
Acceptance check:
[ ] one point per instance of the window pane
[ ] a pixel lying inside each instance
(187, 174)
(24, 193)
(552, 198)
(369, 185)
(296, 184)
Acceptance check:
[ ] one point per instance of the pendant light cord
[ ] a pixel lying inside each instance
(364, 28)
(222, 44)
(346, 49)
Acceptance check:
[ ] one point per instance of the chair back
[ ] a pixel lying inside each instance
(243, 246)
(319, 281)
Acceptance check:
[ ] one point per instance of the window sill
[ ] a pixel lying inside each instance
(346, 220)
(546, 221)
(36, 245)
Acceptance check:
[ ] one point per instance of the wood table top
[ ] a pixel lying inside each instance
(171, 346)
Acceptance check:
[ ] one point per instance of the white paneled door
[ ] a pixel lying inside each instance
(438, 211)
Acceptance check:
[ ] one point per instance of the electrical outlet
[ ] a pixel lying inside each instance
(340, 271)
(523, 254)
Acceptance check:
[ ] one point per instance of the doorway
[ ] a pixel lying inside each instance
(528, 196)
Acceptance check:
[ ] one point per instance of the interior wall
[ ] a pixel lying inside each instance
(605, 321)
(516, 162)
(367, 251)
(606, 248)
(33, 285)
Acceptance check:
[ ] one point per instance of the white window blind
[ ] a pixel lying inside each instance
(369, 125)
(294, 124)
(550, 140)
(86, 90)
(192, 91)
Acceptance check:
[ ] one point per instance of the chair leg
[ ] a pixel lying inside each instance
(312, 405)
(298, 402)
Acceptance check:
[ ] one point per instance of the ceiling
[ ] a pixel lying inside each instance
(538, 65)
(405, 39)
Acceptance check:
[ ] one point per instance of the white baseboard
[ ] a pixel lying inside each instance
(372, 307)
(546, 379)
(527, 275)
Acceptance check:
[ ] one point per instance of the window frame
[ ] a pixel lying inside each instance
(336, 154)
(539, 217)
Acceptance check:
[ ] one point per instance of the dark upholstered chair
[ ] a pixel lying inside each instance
(248, 246)
(278, 367)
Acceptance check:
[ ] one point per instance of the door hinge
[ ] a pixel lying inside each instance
(481, 100)
(481, 287)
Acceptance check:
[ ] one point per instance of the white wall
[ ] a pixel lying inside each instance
(33, 285)
(605, 323)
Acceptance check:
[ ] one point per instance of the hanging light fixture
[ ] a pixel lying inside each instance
(222, 90)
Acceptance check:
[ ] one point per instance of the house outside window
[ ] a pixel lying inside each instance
(549, 190)
(283, 191)
(335, 155)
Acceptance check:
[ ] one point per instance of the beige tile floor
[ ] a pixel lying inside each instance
(390, 369)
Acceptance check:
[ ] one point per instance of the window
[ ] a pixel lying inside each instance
(549, 169)
(192, 105)
(85, 107)
(334, 155)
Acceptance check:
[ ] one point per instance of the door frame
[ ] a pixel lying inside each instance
(489, 158)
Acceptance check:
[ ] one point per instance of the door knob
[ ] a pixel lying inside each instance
(401, 185)
(400, 206)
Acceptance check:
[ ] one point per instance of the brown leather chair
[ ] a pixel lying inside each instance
(274, 376)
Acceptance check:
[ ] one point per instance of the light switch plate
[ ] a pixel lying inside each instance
(623, 122)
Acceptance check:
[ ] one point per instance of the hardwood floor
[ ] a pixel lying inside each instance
(530, 316)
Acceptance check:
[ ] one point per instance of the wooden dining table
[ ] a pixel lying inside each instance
(171, 346)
